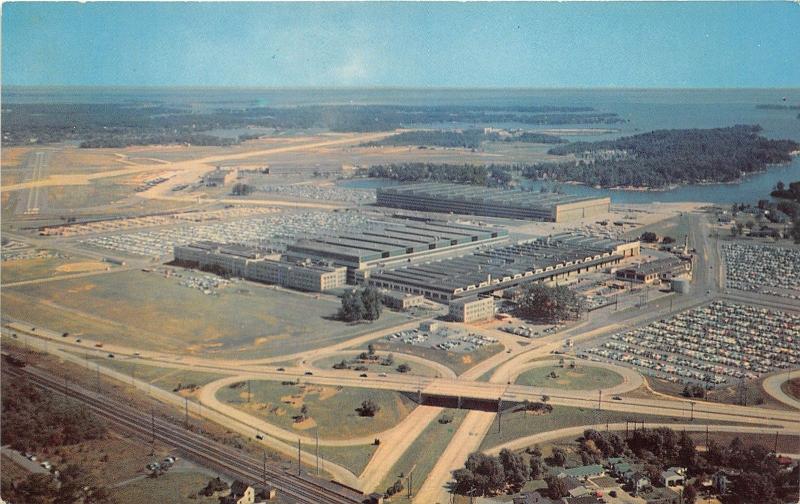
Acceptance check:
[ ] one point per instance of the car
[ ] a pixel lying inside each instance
(78, 340)
(47, 465)
(382, 375)
(616, 398)
(137, 354)
(281, 369)
(309, 373)
(363, 375)
(98, 345)
(111, 356)
(259, 437)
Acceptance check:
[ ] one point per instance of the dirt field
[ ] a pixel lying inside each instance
(145, 310)
(46, 267)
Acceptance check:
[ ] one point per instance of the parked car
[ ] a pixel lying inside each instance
(363, 375)
(308, 373)
(281, 369)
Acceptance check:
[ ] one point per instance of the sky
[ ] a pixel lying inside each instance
(414, 44)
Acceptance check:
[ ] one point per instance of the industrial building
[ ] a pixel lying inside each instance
(475, 200)
(661, 269)
(473, 309)
(497, 268)
(253, 264)
(383, 243)
(402, 300)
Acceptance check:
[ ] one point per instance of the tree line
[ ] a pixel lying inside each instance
(467, 139)
(660, 158)
(551, 304)
(363, 304)
(119, 124)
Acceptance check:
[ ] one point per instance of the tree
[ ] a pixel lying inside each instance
(482, 475)
(649, 237)
(556, 487)
(304, 412)
(559, 458)
(536, 467)
(515, 469)
(372, 300)
(368, 408)
(550, 303)
(689, 494)
(352, 309)
(371, 349)
(403, 368)
(755, 487)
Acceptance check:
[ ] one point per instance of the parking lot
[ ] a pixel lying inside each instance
(443, 338)
(272, 232)
(763, 268)
(714, 344)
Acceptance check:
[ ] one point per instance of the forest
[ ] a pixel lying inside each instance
(115, 125)
(665, 157)
(491, 175)
(467, 139)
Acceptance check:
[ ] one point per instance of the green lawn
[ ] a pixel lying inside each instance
(423, 453)
(354, 458)
(376, 367)
(332, 410)
(35, 268)
(520, 424)
(163, 378)
(582, 377)
(146, 310)
(457, 361)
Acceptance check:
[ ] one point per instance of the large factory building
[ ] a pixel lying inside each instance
(475, 200)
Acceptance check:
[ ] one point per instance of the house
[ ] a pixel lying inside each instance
(638, 481)
(264, 494)
(721, 481)
(241, 493)
(674, 476)
(583, 472)
(583, 499)
(374, 498)
(532, 498)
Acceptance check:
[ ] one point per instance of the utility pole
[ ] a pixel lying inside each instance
(98, 378)
(775, 451)
(317, 451)
(599, 399)
(264, 468)
(499, 413)
(299, 461)
(186, 412)
(153, 432)
(706, 436)
(692, 417)
(248, 391)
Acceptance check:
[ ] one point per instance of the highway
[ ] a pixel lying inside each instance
(201, 449)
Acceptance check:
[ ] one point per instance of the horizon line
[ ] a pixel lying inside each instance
(389, 88)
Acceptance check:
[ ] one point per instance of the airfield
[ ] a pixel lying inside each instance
(86, 279)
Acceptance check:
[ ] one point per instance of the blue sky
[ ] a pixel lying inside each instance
(402, 44)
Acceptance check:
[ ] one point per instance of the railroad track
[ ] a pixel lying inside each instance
(195, 446)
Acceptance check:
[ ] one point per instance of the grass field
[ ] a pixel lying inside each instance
(423, 453)
(164, 378)
(98, 192)
(520, 423)
(458, 362)
(582, 377)
(174, 487)
(376, 367)
(332, 410)
(46, 267)
(792, 388)
(676, 227)
(354, 458)
(145, 310)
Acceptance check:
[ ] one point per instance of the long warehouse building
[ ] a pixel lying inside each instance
(383, 243)
(475, 200)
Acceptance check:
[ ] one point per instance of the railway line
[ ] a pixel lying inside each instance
(207, 452)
